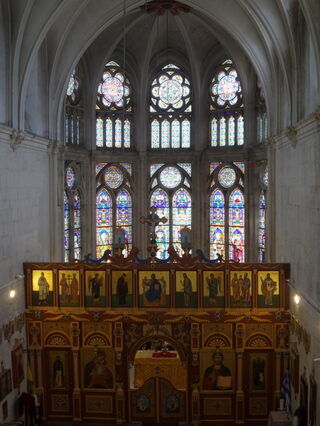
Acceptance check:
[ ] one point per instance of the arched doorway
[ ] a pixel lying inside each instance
(158, 382)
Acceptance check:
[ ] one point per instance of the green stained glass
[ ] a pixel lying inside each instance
(113, 177)
(227, 177)
(109, 133)
(214, 132)
(155, 134)
(231, 131)
(99, 132)
(222, 131)
(240, 130)
(165, 134)
(170, 177)
(186, 133)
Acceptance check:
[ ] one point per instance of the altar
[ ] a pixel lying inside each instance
(149, 363)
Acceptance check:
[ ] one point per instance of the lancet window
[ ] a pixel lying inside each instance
(72, 213)
(226, 107)
(74, 110)
(113, 205)
(114, 109)
(170, 109)
(170, 194)
(262, 214)
(227, 211)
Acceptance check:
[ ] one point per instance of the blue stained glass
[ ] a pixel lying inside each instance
(155, 134)
(99, 167)
(241, 166)
(109, 133)
(103, 222)
(128, 167)
(78, 131)
(186, 133)
(66, 136)
(222, 130)
(231, 131)
(72, 130)
(175, 134)
(113, 177)
(170, 177)
(126, 134)
(99, 133)
(160, 200)
(217, 224)
(227, 177)
(165, 134)
(117, 131)
(213, 166)
(70, 177)
(66, 217)
(236, 225)
(154, 168)
(186, 167)
(240, 130)
(214, 132)
(124, 211)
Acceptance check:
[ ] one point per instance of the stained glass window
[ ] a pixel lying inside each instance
(171, 197)
(114, 108)
(72, 213)
(236, 226)
(227, 211)
(170, 109)
(73, 110)
(226, 107)
(217, 224)
(262, 226)
(113, 205)
(77, 225)
(66, 216)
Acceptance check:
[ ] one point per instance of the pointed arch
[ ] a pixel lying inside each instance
(160, 200)
(217, 224)
(103, 222)
(236, 225)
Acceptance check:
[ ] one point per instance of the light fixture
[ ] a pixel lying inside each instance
(297, 299)
(12, 294)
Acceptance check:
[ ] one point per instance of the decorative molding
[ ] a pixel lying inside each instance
(292, 135)
(16, 138)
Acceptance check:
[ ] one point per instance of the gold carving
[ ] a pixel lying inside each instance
(258, 406)
(217, 406)
(99, 404)
(60, 403)
(57, 340)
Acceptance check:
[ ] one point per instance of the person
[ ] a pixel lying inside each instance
(74, 289)
(43, 289)
(122, 289)
(217, 376)
(58, 373)
(154, 289)
(97, 375)
(94, 287)
(235, 288)
(268, 287)
(246, 288)
(64, 289)
(187, 289)
(214, 288)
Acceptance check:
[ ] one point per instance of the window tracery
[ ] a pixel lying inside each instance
(262, 213)
(227, 211)
(74, 110)
(72, 212)
(114, 109)
(113, 205)
(170, 109)
(226, 107)
(170, 194)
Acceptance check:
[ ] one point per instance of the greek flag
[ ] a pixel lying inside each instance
(285, 391)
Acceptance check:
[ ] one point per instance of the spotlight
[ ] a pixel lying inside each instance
(12, 294)
(297, 299)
